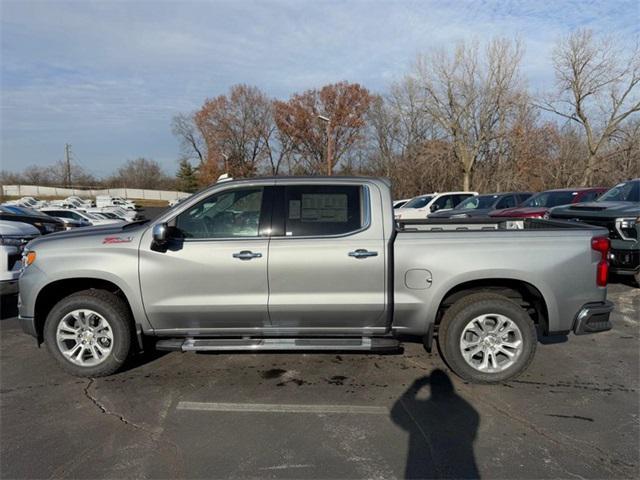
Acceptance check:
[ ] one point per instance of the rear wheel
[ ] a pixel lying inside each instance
(487, 338)
(89, 333)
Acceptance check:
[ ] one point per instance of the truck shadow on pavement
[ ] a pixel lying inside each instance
(441, 427)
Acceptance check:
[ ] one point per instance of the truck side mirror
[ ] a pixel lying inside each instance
(160, 234)
(434, 207)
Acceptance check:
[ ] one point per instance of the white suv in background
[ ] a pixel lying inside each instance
(423, 205)
(13, 237)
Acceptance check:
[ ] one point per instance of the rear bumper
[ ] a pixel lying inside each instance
(593, 318)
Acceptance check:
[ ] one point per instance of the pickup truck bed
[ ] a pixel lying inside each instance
(314, 264)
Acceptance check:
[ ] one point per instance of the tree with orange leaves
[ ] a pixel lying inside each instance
(236, 129)
(324, 125)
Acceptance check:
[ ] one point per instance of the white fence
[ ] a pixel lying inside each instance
(135, 193)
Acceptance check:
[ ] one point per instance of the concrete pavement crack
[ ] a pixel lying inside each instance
(153, 436)
(106, 411)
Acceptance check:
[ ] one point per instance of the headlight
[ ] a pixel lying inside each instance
(628, 227)
(28, 257)
(11, 241)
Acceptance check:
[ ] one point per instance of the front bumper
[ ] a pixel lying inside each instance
(593, 318)
(8, 287)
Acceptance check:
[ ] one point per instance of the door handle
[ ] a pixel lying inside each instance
(362, 253)
(247, 255)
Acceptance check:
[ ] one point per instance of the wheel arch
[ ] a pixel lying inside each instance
(53, 292)
(522, 292)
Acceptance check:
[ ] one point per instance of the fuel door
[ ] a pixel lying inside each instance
(418, 279)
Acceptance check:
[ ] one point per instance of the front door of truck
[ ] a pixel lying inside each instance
(212, 275)
(326, 260)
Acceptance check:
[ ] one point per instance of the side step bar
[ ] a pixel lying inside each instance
(368, 344)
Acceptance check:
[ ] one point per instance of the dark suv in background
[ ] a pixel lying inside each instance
(480, 205)
(538, 205)
(619, 211)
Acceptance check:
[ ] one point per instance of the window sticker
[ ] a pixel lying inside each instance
(294, 209)
(324, 207)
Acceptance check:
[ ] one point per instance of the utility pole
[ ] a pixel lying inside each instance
(327, 120)
(67, 158)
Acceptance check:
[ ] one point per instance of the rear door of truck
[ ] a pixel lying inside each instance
(326, 259)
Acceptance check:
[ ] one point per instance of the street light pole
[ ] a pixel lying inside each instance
(327, 120)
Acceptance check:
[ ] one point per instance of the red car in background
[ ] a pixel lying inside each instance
(539, 204)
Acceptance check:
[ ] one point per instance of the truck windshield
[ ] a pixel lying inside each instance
(418, 202)
(623, 192)
(479, 201)
(550, 199)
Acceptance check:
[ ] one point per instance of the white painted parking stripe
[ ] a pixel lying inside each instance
(281, 408)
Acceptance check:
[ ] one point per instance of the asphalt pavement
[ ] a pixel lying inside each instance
(573, 414)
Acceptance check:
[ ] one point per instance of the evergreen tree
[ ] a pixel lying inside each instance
(187, 177)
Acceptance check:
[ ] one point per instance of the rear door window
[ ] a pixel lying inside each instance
(320, 210)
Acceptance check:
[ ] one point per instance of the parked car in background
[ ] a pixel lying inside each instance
(420, 207)
(400, 203)
(67, 222)
(44, 223)
(29, 202)
(13, 237)
(79, 215)
(480, 205)
(80, 202)
(618, 210)
(116, 213)
(109, 201)
(539, 204)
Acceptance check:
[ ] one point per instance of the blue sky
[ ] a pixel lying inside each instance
(108, 76)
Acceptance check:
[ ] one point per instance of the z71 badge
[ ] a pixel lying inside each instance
(110, 240)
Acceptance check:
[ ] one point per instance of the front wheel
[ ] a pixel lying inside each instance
(487, 338)
(89, 333)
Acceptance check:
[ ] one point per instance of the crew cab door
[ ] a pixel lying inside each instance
(326, 260)
(212, 274)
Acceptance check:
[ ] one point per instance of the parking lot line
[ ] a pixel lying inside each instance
(281, 408)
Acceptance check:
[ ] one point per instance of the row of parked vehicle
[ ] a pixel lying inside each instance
(617, 209)
(503, 204)
(27, 218)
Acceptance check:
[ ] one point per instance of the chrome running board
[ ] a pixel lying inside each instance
(369, 344)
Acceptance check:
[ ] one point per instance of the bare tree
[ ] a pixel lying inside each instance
(192, 143)
(596, 88)
(468, 95)
(141, 173)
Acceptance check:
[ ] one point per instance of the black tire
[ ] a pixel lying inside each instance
(466, 309)
(636, 277)
(117, 314)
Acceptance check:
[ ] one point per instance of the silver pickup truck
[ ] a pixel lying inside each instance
(313, 264)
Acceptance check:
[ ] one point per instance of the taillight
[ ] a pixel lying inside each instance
(602, 245)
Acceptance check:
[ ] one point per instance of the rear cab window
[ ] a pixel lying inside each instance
(323, 210)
